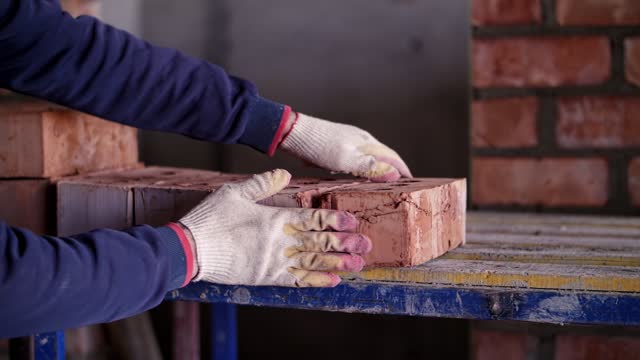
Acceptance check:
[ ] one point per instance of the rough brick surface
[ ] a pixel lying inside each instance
(409, 221)
(598, 12)
(506, 12)
(61, 142)
(82, 7)
(500, 345)
(504, 123)
(541, 61)
(632, 60)
(592, 347)
(29, 204)
(100, 202)
(603, 122)
(634, 181)
(549, 181)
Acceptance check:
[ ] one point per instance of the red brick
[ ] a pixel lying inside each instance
(82, 7)
(29, 204)
(500, 345)
(598, 12)
(506, 12)
(541, 61)
(632, 60)
(548, 181)
(409, 221)
(634, 181)
(600, 122)
(38, 143)
(504, 123)
(593, 347)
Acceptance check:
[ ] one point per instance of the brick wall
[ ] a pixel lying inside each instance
(556, 110)
(521, 341)
(555, 126)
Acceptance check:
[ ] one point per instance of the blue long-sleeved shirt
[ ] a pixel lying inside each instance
(49, 283)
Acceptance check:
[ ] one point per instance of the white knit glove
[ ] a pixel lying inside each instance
(343, 149)
(241, 242)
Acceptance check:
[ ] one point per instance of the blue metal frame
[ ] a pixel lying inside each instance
(224, 342)
(480, 303)
(49, 346)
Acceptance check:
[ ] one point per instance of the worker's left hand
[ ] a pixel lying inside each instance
(344, 149)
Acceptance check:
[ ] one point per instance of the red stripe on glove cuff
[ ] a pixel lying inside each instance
(188, 253)
(279, 133)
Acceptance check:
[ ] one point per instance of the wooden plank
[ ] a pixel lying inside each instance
(551, 241)
(410, 299)
(507, 218)
(536, 224)
(62, 142)
(511, 274)
(544, 255)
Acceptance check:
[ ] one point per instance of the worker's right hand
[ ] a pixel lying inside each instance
(241, 242)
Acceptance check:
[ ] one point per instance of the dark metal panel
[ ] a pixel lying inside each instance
(396, 68)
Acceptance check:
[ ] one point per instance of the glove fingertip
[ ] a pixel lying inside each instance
(389, 176)
(335, 280)
(404, 171)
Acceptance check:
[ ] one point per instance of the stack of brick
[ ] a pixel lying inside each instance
(410, 221)
(41, 143)
(555, 126)
(555, 119)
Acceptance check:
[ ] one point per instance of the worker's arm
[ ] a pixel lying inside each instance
(90, 66)
(50, 283)
(93, 67)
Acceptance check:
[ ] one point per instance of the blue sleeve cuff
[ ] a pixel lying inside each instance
(265, 118)
(176, 255)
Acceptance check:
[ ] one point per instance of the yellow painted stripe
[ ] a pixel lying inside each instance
(547, 259)
(552, 241)
(493, 274)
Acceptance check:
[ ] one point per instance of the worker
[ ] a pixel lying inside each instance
(50, 283)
